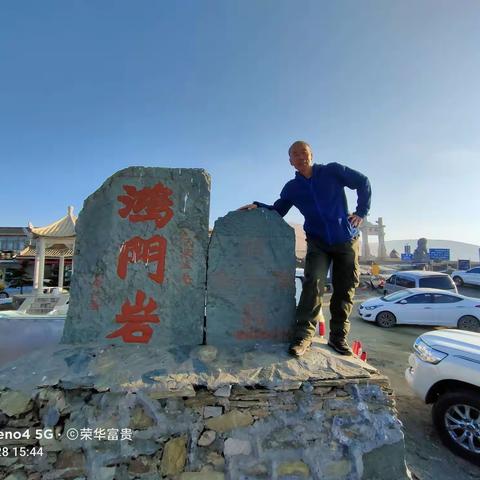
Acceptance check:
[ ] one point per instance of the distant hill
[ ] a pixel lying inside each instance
(458, 250)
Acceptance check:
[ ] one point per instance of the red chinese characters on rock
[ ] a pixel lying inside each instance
(136, 318)
(149, 203)
(150, 250)
(96, 286)
(186, 254)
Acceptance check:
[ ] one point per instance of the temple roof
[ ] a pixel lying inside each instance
(65, 227)
(50, 252)
(13, 231)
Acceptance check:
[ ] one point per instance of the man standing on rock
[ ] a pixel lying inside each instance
(332, 240)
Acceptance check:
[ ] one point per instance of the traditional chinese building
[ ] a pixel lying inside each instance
(12, 241)
(52, 245)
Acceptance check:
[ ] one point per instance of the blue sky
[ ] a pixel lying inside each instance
(387, 87)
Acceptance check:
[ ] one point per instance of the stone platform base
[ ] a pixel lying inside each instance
(197, 413)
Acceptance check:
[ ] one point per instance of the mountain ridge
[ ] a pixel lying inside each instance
(458, 250)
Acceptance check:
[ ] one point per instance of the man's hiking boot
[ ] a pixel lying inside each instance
(299, 347)
(340, 346)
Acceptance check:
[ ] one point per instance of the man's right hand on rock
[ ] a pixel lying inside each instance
(250, 206)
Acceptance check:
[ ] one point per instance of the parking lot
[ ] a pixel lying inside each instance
(388, 350)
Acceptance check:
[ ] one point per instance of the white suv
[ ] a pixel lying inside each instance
(471, 277)
(445, 371)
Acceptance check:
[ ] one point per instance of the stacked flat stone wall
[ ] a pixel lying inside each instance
(295, 423)
(323, 429)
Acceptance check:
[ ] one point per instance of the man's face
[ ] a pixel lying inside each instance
(300, 157)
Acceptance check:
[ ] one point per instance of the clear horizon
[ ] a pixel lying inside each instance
(387, 88)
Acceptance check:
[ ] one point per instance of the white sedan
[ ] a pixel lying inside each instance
(423, 306)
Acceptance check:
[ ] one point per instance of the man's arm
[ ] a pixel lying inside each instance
(359, 182)
(282, 205)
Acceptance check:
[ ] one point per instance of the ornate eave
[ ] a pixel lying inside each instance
(62, 228)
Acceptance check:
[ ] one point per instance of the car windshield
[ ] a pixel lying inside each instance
(393, 297)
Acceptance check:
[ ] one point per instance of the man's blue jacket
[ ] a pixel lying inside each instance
(321, 200)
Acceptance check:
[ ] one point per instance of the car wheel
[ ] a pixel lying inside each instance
(4, 295)
(458, 281)
(469, 322)
(456, 416)
(386, 319)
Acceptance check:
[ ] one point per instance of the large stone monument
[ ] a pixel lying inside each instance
(137, 397)
(140, 259)
(251, 275)
(421, 253)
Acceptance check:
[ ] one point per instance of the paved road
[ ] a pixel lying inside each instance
(388, 350)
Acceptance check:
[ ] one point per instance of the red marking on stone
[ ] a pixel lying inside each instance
(136, 318)
(221, 280)
(255, 326)
(186, 251)
(187, 279)
(187, 244)
(279, 335)
(284, 279)
(97, 281)
(253, 246)
(149, 203)
(96, 285)
(150, 250)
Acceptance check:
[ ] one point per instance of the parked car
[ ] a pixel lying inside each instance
(300, 275)
(423, 306)
(445, 371)
(298, 283)
(419, 279)
(16, 288)
(471, 277)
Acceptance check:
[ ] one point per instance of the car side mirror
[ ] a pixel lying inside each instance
(403, 302)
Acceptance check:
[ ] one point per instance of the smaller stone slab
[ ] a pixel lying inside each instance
(251, 279)
(140, 259)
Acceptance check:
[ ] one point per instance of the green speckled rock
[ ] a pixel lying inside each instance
(141, 238)
(251, 279)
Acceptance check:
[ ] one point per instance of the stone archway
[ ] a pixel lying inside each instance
(378, 229)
